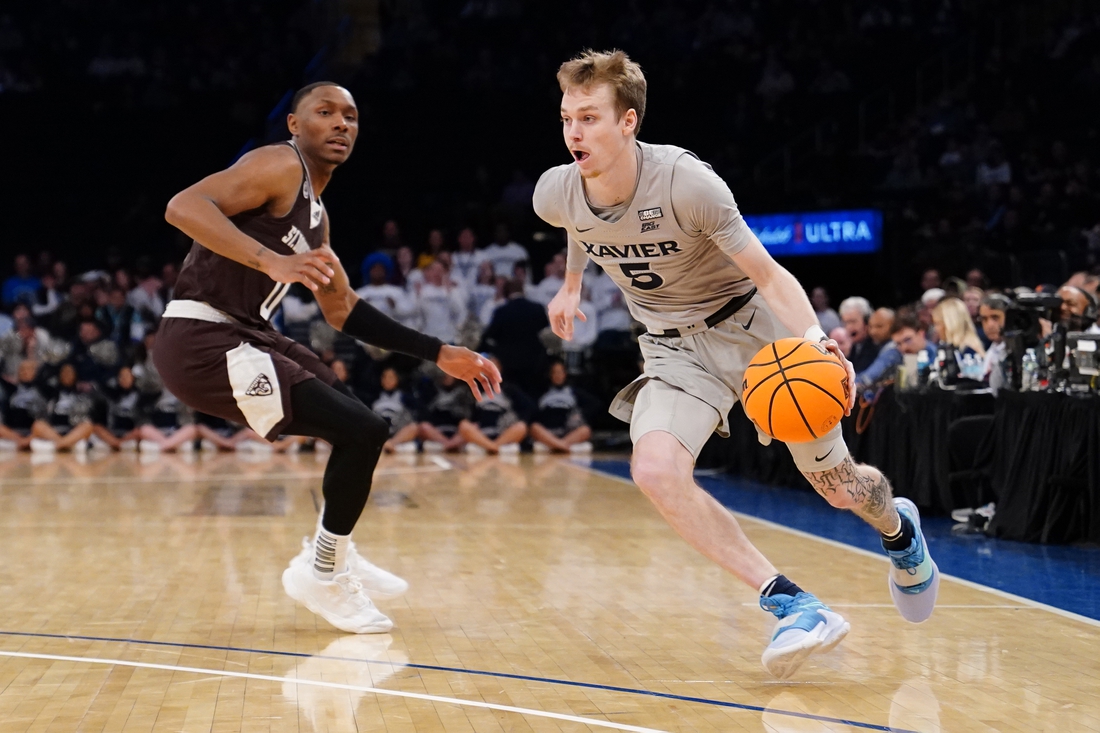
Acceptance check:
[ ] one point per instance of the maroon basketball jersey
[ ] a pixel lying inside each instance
(237, 290)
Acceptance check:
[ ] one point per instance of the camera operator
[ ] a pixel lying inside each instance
(991, 313)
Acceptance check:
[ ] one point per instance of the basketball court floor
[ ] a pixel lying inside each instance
(546, 595)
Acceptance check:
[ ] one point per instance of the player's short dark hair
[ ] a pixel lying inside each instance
(301, 93)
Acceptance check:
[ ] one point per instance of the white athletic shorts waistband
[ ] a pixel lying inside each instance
(198, 310)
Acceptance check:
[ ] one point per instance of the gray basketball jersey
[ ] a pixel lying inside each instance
(672, 262)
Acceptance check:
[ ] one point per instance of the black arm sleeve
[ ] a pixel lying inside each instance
(371, 326)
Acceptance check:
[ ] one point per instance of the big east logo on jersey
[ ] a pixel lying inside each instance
(627, 251)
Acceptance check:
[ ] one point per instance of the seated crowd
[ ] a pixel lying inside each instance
(76, 369)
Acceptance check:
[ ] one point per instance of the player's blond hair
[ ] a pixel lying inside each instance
(613, 68)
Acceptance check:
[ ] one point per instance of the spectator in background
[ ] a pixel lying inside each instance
(435, 245)
(908, 336)
(559, 425)
(930, 278)
(391, 238)
(49, 296)
(95, 358)
(405, 275)
(552, 281)
(298, 313)
(612, 314)
(513, 335)
(504, 253)
(397, 407)
(145, 297)
(991, 311)
(387, 298)
(21, 286)
(1078, 312)
(828, 317)
(25, 404)
(26, 341)
(441, 304)
(168, 276)
(467, 260)
(855, 314)
(447, 403)
(843, 340)
(487, 293)
(953, 326)
(124, 325)
(67, 424)
(972, 297)
(929, 300)
(994, 170)
(879, 326)
(499, 422)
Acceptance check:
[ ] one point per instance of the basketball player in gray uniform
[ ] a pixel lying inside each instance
(666, 229)
(258, 227)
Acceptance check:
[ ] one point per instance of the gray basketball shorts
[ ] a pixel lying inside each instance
(689, 385)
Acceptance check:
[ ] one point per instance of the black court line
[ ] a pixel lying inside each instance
(483, 673)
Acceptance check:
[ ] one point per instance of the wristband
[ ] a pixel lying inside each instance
(815, 334)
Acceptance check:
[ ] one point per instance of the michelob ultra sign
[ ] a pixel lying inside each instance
(858, 231)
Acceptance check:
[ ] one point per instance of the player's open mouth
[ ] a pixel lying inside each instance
(580, 155)
(339, 143)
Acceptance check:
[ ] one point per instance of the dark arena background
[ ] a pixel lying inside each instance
(928, 170)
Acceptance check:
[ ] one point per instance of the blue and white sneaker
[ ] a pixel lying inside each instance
(806, 625)
(914, 577)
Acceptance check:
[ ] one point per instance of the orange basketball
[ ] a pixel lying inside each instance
(795, 390)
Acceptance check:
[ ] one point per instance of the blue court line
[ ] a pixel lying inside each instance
(1066, 577)
(503, 675)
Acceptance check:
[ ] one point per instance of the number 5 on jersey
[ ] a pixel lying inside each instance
(641, 276)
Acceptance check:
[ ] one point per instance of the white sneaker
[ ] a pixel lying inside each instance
(208, 446)
(409, 447)
(149, 446)
(377, 583)
(187, 446)
(473, 449)
(8, 445)
(584, 447)
(42, 446)
(540, 448)
(128, 445)
(340, 601)
(293, 448)
(433, 446)
(321, 446)
(80, 448)
(508, 449)
(97, 443)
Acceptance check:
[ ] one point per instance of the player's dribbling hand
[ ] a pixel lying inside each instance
(561, 311)
(474, 369)
(834, 347)
(311, 269)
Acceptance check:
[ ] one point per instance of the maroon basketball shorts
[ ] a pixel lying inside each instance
(233, 372)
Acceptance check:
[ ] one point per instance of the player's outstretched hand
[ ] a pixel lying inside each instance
(312, 269)
(562, 310)
(834, 347)
(475, 370)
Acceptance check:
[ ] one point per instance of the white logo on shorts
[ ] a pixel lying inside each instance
(260, 387)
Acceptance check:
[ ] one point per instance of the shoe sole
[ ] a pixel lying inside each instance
(916, 607)
(303, 598)
(786, 662)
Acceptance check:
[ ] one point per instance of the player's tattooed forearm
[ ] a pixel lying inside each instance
(328, 289)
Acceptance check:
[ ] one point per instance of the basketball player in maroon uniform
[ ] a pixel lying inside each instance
(259, 226)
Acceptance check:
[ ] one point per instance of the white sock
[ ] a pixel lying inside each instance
(330, 554)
